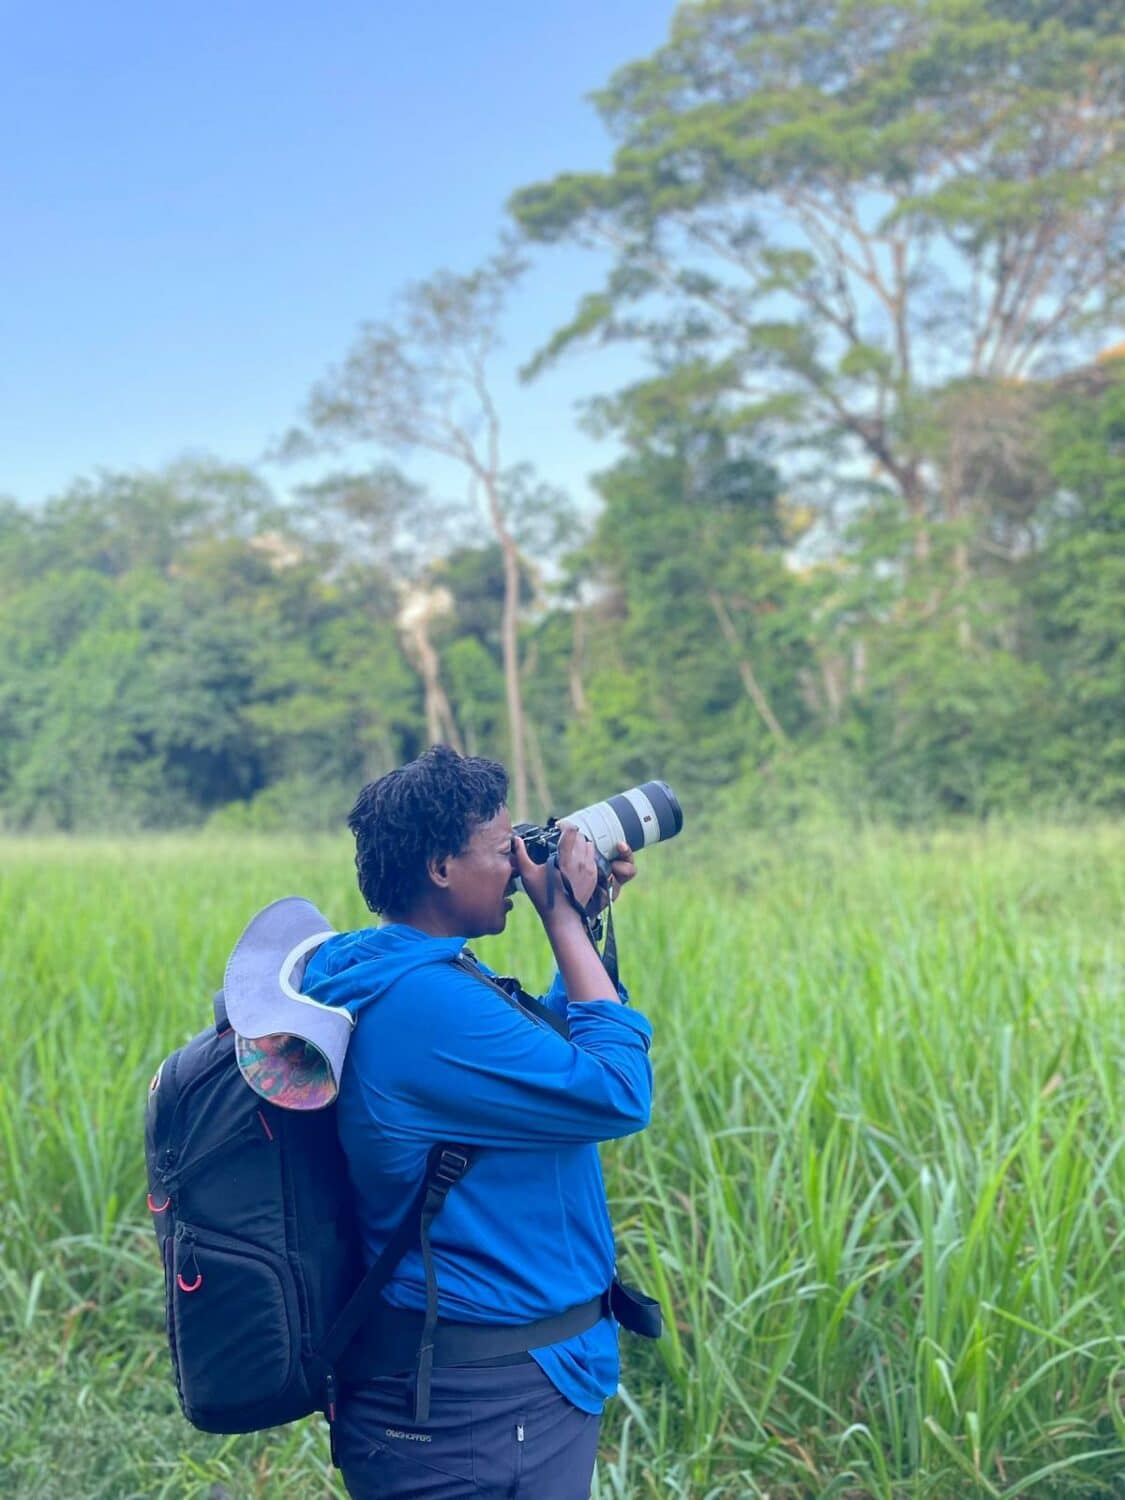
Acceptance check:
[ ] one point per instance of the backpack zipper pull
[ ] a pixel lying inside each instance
(181, 1280)
(519, 1432)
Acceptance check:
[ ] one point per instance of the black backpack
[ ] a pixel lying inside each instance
(263, 1278)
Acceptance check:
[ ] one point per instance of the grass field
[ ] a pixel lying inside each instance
(881, 1196)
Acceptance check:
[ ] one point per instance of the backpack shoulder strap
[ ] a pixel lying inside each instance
(513, 992)
(444, 1170)
(445, 1166)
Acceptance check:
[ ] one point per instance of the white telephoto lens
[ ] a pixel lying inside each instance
(640, 817)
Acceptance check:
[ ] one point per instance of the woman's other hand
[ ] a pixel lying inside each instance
(622, 869)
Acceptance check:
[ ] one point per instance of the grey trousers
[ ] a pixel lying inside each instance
(502, 1432)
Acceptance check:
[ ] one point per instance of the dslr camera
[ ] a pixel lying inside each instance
(644, 815)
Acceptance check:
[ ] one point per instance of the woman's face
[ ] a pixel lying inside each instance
(482, 878)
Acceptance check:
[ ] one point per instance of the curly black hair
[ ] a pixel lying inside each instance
(425, 810)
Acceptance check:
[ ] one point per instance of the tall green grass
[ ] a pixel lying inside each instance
(881, 1197)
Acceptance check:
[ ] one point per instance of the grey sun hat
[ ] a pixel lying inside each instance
(290, 1049)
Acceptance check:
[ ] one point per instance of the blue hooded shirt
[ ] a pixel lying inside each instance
(438, 1056)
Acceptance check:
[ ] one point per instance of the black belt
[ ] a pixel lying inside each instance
(387, 1344)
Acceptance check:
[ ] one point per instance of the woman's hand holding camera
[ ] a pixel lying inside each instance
(582, 971)
(576, 860)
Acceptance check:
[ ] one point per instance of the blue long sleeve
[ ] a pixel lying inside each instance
(556, 996)
(466, 1065)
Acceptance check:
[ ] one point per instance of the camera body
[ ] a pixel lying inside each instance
(644, 815)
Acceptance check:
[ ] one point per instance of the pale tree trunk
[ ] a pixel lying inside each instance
(745, 669)
(509, 638)
(441, 726)
(509, 630)
(509, 635)
(832, 675)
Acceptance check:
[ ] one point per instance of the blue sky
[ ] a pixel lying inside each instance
(201, 202)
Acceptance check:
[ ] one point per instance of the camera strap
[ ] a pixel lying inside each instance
(513, 992)
(594, 921)
(609, 951)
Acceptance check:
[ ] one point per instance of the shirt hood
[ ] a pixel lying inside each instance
(354, 969)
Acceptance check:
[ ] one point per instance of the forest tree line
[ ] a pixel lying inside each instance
(862, 550)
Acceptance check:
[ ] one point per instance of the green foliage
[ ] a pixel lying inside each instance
(174, 645)
(689, 538)
(257, 677)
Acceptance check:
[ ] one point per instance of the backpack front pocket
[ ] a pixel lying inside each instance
(231, 1306)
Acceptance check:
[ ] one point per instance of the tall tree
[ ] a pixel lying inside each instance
(850, 205)
(420, 381)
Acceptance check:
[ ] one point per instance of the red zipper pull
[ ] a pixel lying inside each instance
(183, 1284)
